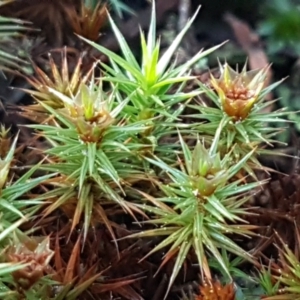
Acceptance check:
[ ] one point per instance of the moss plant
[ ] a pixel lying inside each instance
(198, 208)
(93, 150)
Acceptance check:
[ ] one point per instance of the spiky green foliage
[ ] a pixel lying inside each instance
(266, 281)
(92, 149)
(120, 7)
(134, 126)
(284, 282)
(118, 150)
(17, 206)
(148, 84)
(15, 201)
(238, 118)
(198, 208)
(232, 266)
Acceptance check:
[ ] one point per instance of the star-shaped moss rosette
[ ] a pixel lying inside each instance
(92, 149)
(198, 208)
(238, 123)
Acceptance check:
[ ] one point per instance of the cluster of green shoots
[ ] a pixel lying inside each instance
(121, 141)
